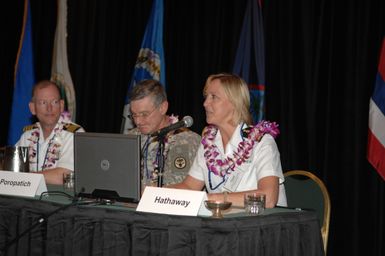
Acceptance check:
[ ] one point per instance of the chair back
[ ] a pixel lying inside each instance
(305, 190)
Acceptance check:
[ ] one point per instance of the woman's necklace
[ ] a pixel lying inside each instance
(221, 167)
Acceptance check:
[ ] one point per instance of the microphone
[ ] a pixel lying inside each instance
(187, 121)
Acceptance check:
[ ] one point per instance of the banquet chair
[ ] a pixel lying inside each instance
(306, 191)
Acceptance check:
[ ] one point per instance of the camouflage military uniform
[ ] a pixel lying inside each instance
(180, 150)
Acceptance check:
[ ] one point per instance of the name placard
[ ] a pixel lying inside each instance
(173, 201)
(22, 183)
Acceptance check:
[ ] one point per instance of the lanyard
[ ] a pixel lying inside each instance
(145, 156)
(46, 153)
(210, 183)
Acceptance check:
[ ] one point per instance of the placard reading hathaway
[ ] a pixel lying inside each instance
(173, 201)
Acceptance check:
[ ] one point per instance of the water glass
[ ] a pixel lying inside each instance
(254, 203)
(68, 182)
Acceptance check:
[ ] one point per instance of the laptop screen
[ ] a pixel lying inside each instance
(107, 166)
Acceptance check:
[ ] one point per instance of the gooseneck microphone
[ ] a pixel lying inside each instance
(187, 121)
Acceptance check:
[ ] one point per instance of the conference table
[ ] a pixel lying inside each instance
(52, 225)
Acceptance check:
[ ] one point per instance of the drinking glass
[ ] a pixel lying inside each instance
(69, 182)
(254, 203)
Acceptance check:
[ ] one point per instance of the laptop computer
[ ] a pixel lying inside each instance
(107, 166)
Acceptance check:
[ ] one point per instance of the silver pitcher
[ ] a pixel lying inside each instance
(15, 159)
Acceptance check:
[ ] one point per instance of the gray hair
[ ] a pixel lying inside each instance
(151, 88)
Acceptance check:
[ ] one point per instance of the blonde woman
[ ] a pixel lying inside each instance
(234, 156)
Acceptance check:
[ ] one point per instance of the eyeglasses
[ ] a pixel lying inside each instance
(142, 114)
(44, 103)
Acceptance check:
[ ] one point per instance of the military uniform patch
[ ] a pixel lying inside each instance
(180, 162)
(71, 127)
(181, 149)
(29, 127)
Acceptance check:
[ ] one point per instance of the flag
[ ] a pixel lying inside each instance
(250, 57)
(24, 80)
(60, 72)
(150, 62)
(376, 134)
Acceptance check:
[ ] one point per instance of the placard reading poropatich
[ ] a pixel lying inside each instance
(22, 183)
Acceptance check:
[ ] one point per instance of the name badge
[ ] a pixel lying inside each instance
(233, 180)
(22, 183)
(173, 201)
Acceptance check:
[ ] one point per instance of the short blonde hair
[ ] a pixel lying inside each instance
(238, 94)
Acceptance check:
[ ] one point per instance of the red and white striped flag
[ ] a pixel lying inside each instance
(376, 135)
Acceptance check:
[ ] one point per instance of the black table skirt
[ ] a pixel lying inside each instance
(85, 230)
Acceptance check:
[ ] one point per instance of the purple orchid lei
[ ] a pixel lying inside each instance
(222, 167)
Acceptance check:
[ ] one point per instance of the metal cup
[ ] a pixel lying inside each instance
(16, 159)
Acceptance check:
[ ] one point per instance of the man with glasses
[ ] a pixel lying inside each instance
(50, 140)
(148, 106)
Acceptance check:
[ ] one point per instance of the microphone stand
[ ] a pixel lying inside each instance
(160, 160)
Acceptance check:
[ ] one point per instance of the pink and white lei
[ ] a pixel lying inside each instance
(220, 166)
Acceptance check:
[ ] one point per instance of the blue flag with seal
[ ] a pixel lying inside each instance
(250, 57)
(24, 81)
(150, 62)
